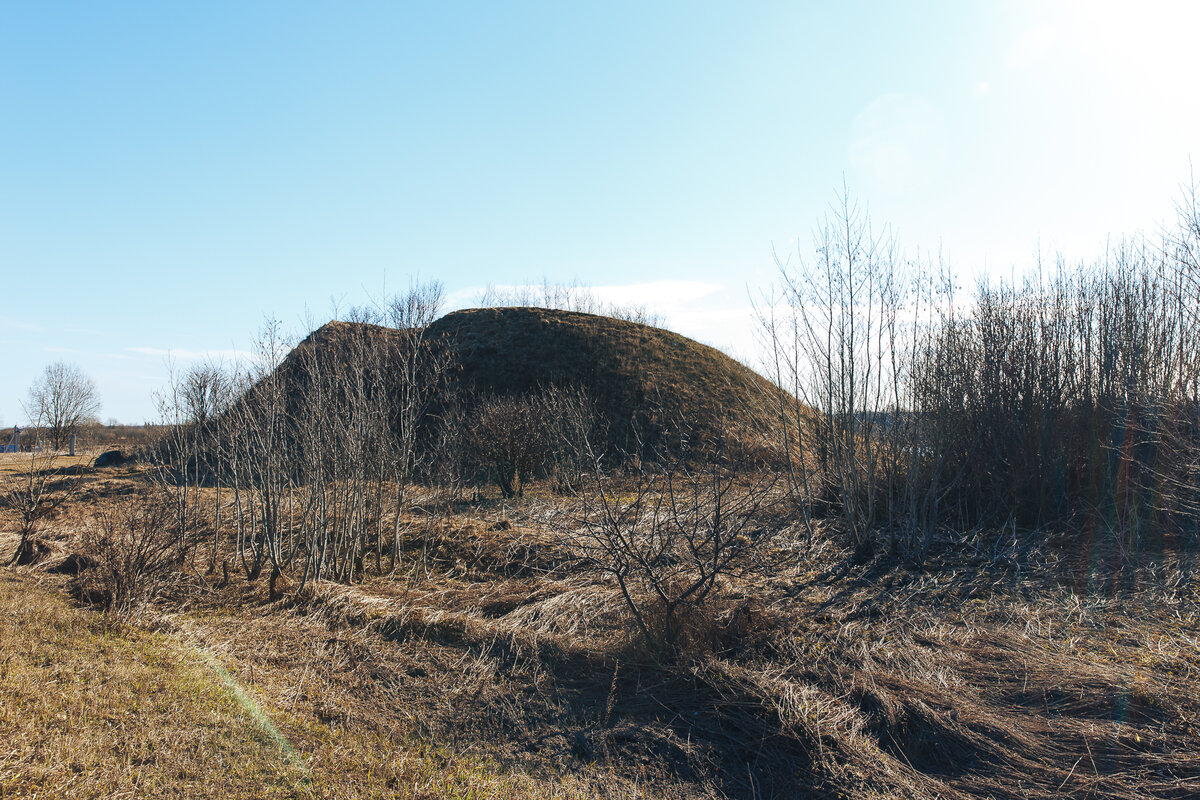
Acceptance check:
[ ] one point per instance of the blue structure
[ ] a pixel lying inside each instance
(14, 444)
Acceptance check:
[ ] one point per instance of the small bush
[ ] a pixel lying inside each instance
(673, 537)
(508, 438)
(519, 438)
(132, 543)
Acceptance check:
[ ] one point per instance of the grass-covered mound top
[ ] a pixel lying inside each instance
(640, 378)
(649, 387)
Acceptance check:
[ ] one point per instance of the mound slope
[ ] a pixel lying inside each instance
(647, 384)
(641, 378)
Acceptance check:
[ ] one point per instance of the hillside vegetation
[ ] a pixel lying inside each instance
(641, 380)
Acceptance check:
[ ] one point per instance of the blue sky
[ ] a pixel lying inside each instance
(171, 173)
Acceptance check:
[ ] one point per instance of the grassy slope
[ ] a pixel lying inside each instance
(630, 369)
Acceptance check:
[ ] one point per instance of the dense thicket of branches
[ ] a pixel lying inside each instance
(1069, 400)
(311, 451)
(517, 438)
(310, 463)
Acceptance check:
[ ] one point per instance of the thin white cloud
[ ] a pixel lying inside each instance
(660, 296)
(710, 312)
(655, 296)
(56, 349)
(730, 329)
(467, 297)
(981, 89)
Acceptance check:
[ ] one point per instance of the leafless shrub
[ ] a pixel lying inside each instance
(670, 535)
(416, 373)
(33, 495)
(841, 334)
(448, 467)
(517, 438)
(194, 408)
(132, 544)
(571, 422)
(509, 439)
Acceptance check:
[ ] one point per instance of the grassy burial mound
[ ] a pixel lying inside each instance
(645, 384)
(513, 393)
(643, 381)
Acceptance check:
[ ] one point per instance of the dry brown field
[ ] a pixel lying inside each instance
(490, 664)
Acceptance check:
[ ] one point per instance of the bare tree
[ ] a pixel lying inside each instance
(62, 399)
(833, 338)
(192, 408)
(417, 369)
(509, 437)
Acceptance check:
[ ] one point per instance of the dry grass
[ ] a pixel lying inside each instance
(967, 690)
(491, 666)
(88, 710)
(93, 710)
(18, 463)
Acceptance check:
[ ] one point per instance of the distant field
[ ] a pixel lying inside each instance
(19, 462)
(102, 437)
(94, 441)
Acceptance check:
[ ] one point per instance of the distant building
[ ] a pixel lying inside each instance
(14, 444)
